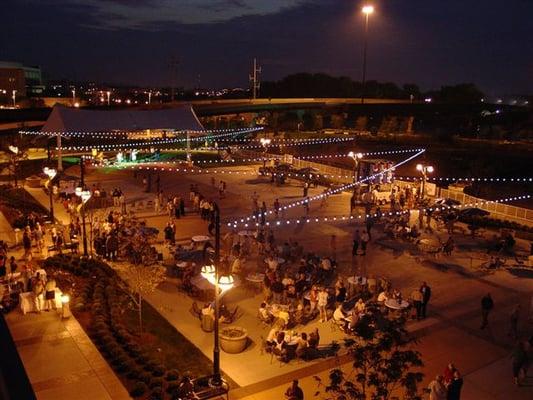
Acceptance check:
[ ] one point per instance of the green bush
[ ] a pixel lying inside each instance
(155, 382)
(139, 389)
(135, 372)
(158, 370)
(146, 377)
(157, 394)
(172, 375)
(173, 387)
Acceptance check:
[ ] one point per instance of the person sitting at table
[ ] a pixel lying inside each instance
(272, 263)
(353, 320)
(290, 295)
(300, 284)
(263, 313)
(279, 343)
(237, 266)
(360, 306)
(338, 315)
(277, 290)
(340, 292)
(383, 296)
(302, 346)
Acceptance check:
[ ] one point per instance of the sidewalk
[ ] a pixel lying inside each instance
(41, 197)
(60, 360)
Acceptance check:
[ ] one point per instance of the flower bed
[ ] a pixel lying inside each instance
(147, 364)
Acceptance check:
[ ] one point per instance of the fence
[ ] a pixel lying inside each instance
(497, 210)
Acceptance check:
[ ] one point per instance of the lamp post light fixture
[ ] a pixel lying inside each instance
(14, 97)
(51, 173)
(222, 283)
(74, 96)
(85, 195)
(265, 142)
(367, 10)
(356, 157)
(14, 161)
(424, 170)
(108, 93)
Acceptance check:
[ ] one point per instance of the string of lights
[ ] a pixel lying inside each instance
(130, 133)
(333, 191)
(344, 218)
(470, 179)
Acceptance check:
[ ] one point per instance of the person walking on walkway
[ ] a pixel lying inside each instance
(437, 390)
(365, 238)
(487, 304)
(515, 314)
(426, 295)
(455, 386)
(294, 392)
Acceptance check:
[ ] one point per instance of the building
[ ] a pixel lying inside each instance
(25, 81)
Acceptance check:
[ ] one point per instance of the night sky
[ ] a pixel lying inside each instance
(428, 42)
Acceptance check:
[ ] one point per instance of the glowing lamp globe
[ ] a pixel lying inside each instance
(225, 282)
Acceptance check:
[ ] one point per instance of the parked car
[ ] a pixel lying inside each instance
(314, 176)
(473, 212)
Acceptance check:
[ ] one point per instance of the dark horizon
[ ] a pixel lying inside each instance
(422, 42)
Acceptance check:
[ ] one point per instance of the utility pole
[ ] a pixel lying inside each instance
(254, 79)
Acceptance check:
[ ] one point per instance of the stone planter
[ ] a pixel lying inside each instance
(233, 339)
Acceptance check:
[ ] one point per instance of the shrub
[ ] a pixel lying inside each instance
(157, 393)
(156, 382)
(172, 375)
(146, 377)
(139, 389)
(135, 372)
(173, 387)
(158, 370)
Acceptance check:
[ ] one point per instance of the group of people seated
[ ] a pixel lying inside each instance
(287, 345)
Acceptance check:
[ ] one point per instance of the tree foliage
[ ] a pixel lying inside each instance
(384, 364)
(140, 281)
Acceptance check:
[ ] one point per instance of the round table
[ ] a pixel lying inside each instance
(356, 280)
(395, 305)
(255, 277)
(200, 238)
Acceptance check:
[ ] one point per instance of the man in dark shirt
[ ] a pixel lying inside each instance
(426, 295)
(486, 306)
(294, 392)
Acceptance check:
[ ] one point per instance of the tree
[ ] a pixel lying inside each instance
(140, 281)
(383, 363)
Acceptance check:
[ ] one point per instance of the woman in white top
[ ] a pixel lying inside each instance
(322, 303)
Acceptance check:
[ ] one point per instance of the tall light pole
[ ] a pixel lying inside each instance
(265, 142)
(51, 173)
(14, 96)
(367, 10)
(356, 157)
(73, 96)
(222, 283)
(108, 97)
(424, 170)
(85, 195)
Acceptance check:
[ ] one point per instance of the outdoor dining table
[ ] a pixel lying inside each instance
(395, 305)
(200, 238)
(255, 277)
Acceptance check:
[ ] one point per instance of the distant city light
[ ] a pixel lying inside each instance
(368, 9)
(428, 99)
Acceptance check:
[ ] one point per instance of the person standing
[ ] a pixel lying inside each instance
(294, 392)
(26, 241)
(520, 361)
(515, 314)
(322, 304)
(356, 241)
(426, 295)
(306, 188)
(276, 207)
(49, 294)
(365, 238)
(437, 390)
(417, 298)
(455, 386)
(487, 304)
(37, 288)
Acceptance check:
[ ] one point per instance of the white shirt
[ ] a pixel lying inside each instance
(383, 297)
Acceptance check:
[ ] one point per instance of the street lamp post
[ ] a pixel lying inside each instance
(221, 283)
(14, 99)
(424, 170)
(73, 96)
(51, 173)
(367, 10)
(108, 97)
(85, 195)
(265, 142)
(14, 161)
(356, 157)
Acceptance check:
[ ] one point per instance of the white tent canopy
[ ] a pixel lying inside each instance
(69, 119)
